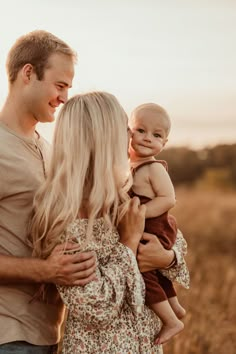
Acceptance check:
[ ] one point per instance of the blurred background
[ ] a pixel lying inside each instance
(205, 182)
(181, 55)
(178, 53)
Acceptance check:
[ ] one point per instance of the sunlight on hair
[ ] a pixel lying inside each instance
(89, 174)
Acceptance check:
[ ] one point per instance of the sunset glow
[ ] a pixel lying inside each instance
(180, 55)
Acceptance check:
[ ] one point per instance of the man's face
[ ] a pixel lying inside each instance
(45, 95)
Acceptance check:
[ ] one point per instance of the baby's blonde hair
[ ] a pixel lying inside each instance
(89, 169)
(159, 111)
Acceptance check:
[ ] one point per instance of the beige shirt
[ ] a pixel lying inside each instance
(23, 166)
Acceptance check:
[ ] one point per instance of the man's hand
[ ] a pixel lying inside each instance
(70, 269)
(152, 255)
(132, 224)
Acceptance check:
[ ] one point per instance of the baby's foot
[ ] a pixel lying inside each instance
(168, 331)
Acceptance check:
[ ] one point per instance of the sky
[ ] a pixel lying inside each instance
(180, 54)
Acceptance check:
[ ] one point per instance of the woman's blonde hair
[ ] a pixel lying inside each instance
(89, 170)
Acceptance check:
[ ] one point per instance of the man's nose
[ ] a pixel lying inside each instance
(63, 97)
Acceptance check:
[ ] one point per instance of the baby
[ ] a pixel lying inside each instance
(150, 126)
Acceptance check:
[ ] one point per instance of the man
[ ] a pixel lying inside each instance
(40, 70)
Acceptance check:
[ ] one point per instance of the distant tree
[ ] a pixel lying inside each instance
(187, 166)
(222, 155)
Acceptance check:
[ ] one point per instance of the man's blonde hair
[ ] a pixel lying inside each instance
(89, 169)
(159, 111)
(35, 48)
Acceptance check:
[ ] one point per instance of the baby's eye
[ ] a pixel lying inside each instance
(140, 130)
(156, 135)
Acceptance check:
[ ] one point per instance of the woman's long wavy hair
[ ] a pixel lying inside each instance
(89, 171)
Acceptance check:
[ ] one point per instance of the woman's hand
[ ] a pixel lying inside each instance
(152, 255)
(132, 224)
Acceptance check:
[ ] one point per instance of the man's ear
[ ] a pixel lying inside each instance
(27, 72)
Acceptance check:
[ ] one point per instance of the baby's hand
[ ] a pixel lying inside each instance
(132, 224)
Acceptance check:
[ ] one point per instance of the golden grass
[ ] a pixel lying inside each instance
(208, 221)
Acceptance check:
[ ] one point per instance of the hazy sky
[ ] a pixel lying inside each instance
(178, 53)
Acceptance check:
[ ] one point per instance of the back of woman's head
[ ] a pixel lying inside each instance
(91, 127)
(89, 168)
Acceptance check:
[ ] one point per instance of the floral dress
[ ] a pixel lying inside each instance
(108, 315)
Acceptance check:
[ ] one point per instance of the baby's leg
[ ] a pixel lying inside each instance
(176, 307)
(171, 324)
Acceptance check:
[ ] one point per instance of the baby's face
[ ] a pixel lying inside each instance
(149, 134)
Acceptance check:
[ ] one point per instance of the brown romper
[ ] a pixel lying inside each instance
(158, 287)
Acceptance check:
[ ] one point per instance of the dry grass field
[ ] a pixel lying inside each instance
(208, 220)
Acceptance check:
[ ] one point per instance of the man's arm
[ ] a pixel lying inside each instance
(58, 268)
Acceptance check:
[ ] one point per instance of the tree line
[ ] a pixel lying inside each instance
(217, 164)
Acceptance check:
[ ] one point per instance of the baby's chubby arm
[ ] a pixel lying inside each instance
(164, 190)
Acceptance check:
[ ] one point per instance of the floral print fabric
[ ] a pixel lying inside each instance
(179, 273)
(108, 315)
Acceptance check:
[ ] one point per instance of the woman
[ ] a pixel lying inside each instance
(83, 200)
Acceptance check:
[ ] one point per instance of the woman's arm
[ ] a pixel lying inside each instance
(179, 272)
(132, 225)
(118, 280)
(170, 263)
(152, 255)
(98, 303)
